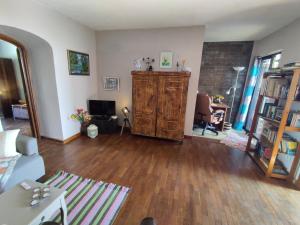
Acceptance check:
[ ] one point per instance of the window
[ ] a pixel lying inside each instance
(276, 60)
(271, 61)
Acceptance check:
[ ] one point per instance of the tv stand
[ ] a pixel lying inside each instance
(105, 124)
(101, 117)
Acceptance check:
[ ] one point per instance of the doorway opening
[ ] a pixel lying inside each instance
(17, 105)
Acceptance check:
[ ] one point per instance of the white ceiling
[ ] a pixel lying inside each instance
(225, 20)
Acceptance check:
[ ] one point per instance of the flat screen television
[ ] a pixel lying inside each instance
(102, 108)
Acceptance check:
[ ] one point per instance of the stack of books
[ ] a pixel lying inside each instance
(288, 145)
(272, 111)
(274, 87)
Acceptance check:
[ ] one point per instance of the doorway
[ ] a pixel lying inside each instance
(17, 106)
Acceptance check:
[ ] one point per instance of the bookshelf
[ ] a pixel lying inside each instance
(270, 143)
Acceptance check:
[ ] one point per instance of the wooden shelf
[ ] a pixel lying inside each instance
(276, 122)
(269, 119)
(272, 167)
(279, 176)
(292, 129)
(267, 96)
(258, 161)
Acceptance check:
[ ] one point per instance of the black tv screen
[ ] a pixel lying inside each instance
(102, 108)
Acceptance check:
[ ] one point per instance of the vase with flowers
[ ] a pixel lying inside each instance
(83, 117)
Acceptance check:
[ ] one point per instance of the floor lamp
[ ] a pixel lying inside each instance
(238, 69)
(126, 121)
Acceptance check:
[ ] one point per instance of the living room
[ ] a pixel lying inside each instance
(140, 67)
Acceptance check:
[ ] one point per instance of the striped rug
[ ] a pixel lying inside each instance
(89, 201)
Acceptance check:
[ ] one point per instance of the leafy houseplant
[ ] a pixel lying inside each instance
(83, 117)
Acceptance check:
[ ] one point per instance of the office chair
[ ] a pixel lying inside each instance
(206, 115)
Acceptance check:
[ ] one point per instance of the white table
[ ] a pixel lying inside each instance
(15, 206)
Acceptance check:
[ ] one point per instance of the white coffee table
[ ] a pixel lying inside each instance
(15, 206)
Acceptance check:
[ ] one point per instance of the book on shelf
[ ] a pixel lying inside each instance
(270, 110)
(294, 119)
(259, 127)
(269, 132)
(288, 145)
(297, 94)
(266, 100)
(274, 87)
(293, 64)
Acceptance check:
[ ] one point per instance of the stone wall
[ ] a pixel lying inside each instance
(217, 74)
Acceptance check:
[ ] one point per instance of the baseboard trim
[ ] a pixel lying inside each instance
(72, 138)
(66, 141)
(188, 136)
(52, 139)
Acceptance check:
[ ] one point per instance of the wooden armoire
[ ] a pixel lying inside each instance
(159, 103)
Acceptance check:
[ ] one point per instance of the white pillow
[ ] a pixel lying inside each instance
(8, 143)
(1, 128)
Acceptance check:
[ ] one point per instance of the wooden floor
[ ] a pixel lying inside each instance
(197, 182)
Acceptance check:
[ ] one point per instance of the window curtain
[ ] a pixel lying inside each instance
(248, 94)
(264, 65)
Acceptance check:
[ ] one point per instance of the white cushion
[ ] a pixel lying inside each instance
(8, 143)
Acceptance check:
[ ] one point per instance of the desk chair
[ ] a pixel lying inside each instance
(206, 115)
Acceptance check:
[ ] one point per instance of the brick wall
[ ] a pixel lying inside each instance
(217, 74)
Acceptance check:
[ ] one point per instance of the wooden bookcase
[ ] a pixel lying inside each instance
(268, 166)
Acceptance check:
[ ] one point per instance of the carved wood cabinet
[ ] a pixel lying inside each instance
(159, 103)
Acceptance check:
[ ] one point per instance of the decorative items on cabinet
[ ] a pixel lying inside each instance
(159, 103)
(166, 60)
(148, 61)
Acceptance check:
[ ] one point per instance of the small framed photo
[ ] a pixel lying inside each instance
(79, 63)
(111, 83)
(166, 59)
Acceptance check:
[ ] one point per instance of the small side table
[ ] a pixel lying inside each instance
(15, 206)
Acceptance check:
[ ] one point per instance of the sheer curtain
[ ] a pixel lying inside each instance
(264, 66)
(248, 94)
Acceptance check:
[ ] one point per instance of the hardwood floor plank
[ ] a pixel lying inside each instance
(197, 182)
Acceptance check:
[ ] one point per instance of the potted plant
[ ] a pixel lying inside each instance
(218, 98)
(83, 117)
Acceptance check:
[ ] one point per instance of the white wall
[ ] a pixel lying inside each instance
(286, 39)
(9, 51)
(116, 51)
(61, 33)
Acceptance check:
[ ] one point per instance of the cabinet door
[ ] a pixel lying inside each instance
(172, 96)
(144, 105)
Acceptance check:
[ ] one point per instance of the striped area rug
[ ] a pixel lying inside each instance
(89, 201)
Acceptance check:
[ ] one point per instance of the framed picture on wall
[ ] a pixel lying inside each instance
(111, 83)
(79, 63)
(166, 59)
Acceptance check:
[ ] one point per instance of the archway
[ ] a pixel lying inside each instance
(40, 67)
(27, 84)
